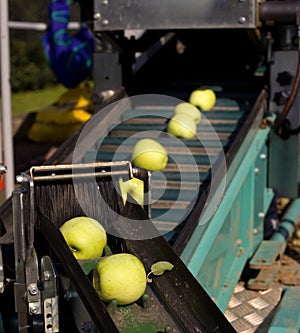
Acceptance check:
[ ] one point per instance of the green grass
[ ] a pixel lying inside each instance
(25, 102)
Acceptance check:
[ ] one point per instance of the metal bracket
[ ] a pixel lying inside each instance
(49, 295)
(264, 280)
(18, 199)
(31, 261)
(32, 278)
(26, 263)
(274, 267)
(267, 255)
(267, 260)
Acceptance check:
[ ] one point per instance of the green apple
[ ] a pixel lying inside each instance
(120, 277)
(133, 186)
(203, 98)
(182, 126)
(189, 110)
(85, 236)
(150, 155)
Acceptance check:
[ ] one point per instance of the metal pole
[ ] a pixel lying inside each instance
(6, 121)
(37, 26)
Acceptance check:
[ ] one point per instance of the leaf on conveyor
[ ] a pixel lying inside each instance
(159, 268)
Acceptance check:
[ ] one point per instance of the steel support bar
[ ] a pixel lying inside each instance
(37, 26)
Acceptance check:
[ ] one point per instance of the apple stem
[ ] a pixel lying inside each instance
(149, 280)
(107, 251)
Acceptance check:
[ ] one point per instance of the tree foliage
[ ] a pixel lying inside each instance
(29, 67)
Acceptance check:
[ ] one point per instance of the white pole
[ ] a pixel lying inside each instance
(37, 26)
(7, 135)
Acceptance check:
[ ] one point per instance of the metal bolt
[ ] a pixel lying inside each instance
(19, 179)
(263, 156)
(86, 326)
(256, 170)
(104, 2)
(239, 242)
(255, 231)
(105, 22)
(46, 275)
(70, 295)
(242, 19)
(33, 289)
(3, 168)
(97, 16)
(33, 309)
(48, 305)
(261, 215)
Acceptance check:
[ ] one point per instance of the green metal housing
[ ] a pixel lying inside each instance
(218, 251)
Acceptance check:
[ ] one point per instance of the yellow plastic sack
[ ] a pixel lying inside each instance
(63, 115)
(57, 122)
(51, 133)
(79, 97)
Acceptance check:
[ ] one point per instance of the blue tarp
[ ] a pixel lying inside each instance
(69, 57)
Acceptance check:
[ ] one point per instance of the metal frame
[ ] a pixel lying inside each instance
(284, 177)
(123, 15)
(218, 251)
(30, 300)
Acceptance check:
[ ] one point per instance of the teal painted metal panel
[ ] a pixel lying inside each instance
(287, 317)
(218, 251)
(221, 268)
(260, 204)
(283, 176)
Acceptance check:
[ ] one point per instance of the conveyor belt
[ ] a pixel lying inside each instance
(174, 192)
(174, 302)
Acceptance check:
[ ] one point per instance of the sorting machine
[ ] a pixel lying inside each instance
(211, 212)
